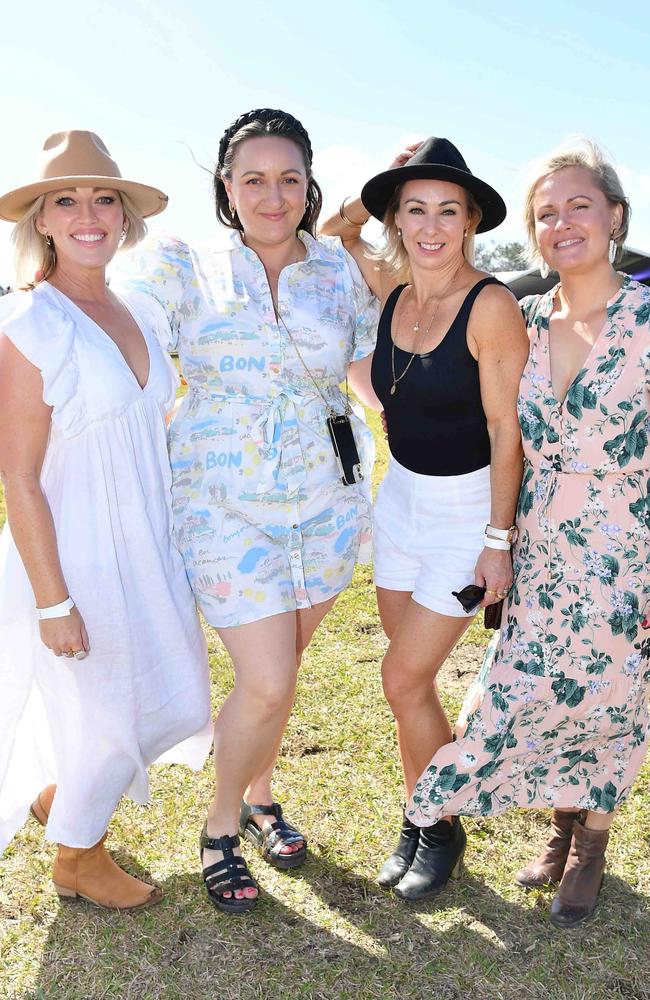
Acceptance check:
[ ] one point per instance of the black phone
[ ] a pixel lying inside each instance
(345, 448)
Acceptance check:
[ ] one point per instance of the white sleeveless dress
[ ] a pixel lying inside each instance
(93, 726)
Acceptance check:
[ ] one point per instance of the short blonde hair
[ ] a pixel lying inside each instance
(32, 253)
(392, 254)
(583, 153)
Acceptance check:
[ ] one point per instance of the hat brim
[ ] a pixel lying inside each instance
(147, 200)
(377, 193)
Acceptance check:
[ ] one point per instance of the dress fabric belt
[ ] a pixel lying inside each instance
(277, 435)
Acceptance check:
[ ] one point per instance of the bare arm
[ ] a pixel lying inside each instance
(349, 230)
(359, 376)
(497, 334)
(24, 429)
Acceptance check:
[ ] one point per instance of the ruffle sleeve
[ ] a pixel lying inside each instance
(365, 303)
(163, 269)
(45, 335)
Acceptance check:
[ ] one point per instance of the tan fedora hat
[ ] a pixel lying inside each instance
(79, 159)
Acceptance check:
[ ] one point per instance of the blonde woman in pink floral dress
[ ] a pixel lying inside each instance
(563, 722)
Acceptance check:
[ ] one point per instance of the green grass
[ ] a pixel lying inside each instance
(327, 932)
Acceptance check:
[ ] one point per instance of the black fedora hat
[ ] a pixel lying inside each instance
(436, 159)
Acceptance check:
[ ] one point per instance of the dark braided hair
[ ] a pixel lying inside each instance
(260, 122)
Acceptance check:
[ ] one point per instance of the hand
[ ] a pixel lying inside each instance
(66, 635)
(494, 572)
(405, 154)
(384, 423)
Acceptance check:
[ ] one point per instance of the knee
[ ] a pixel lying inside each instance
(269, 695)
(399, 686)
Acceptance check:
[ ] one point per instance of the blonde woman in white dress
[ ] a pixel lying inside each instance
(103, 665)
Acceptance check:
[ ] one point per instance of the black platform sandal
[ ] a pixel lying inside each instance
(228, 875)
(271, 841)
(397, 865)
(437, 859)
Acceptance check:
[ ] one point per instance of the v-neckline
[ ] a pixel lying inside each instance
(101, 329)
(609, 305)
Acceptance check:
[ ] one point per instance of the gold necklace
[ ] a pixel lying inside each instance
(416, 329)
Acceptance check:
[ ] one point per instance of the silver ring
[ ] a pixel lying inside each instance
(81, 654)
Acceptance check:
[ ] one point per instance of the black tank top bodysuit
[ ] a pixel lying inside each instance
(436, 421)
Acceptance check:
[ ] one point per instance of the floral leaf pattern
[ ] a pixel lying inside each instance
(564, 716)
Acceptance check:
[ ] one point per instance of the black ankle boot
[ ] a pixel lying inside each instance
(400, 860)
(437, 859)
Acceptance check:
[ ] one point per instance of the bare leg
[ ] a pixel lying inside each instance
(392, 604)
(599, 821)
(420, 642)
(259, 789)
(253, 715)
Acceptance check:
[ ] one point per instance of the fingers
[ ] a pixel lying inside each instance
(66, 636)
(405, 154)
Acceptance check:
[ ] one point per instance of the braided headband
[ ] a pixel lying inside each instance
(265, 115)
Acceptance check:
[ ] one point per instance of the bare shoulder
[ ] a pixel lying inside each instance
(496, 313)
(497, 300)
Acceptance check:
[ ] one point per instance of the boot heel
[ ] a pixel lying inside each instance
(457, 870)
(64, 892)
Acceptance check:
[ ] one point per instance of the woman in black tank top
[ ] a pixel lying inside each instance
(450, 351)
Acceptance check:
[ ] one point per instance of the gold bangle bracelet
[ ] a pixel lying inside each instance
(347, 221)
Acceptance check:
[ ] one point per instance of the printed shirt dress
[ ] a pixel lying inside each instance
(93, 726)
(564, 717)
(262, 518)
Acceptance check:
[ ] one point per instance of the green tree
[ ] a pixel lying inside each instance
(492, 256)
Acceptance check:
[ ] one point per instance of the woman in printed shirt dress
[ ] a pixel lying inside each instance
(269, 323)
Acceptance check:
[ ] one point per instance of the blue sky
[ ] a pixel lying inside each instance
(506, 83)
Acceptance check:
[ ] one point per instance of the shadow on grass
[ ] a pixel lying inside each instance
(345, 937)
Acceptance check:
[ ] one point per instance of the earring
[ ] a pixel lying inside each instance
(544, 269)
(232, 209)
(613, 250)
(48, 240)
(465, 234)
(399, 233)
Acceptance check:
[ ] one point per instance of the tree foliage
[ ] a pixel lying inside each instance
(492, 256)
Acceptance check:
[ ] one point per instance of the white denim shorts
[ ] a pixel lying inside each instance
(428, 534)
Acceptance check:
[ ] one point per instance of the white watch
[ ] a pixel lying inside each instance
(56, 610)
(504, 534)
(496, 543)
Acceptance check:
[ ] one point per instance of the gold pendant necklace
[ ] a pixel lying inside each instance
(416, 330)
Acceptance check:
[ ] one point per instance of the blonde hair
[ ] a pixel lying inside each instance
(393, 256)
(33, 255)
(588, 155)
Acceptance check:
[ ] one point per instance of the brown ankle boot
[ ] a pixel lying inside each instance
(92, 874)
(576, 898)
(40, 807)
(548, 868)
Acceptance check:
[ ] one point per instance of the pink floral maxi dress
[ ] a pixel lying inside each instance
(564, 717)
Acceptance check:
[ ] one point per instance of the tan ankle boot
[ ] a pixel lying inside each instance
(40, 807)
(549, 866)
(92, 874)
(576, 898)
